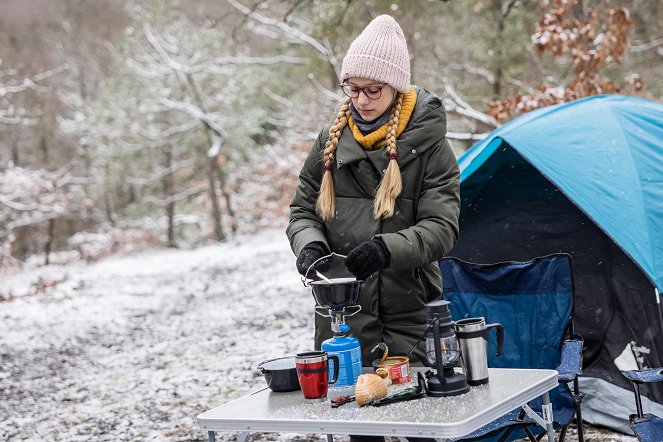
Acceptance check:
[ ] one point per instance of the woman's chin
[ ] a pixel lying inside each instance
(368, 116)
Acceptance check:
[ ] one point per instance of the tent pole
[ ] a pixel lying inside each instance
(658, 301)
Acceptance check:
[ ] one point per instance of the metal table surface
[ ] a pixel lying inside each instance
(440, 418)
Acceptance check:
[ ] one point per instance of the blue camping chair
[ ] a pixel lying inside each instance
(534, 301)
(647, 427)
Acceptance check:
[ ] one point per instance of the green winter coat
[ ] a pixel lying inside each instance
(423, 229)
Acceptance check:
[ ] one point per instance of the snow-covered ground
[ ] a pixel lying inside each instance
(135, 347)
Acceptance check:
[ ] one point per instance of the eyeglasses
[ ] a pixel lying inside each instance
(372, 92)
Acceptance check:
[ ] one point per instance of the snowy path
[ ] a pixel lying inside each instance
(134, 348)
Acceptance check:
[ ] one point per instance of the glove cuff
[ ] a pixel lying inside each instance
(385, 251)
(318, 247)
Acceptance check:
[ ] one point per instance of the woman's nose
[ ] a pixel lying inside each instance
(363, 98)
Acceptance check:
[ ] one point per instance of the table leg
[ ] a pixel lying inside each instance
(211, 437)
(547, 406)
(330, 438)
(243, 436)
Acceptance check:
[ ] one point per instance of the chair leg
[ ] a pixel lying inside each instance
(562, 434)
(577, 399)
(506, 434)
(510, 430)
(581, 431)
(638, 400)
(531, 436)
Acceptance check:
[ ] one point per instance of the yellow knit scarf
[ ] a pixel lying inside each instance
(377, 138)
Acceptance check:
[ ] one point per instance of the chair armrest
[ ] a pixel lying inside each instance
(644, 376)
(570, 364)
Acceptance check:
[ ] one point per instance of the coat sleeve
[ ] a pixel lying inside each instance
(305, 226)
(436, 228)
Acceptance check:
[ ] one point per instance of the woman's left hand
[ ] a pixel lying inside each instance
(367, 258)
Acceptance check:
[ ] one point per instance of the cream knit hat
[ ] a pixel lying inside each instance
(379, 53)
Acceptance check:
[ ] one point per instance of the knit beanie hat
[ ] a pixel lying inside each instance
(379, 53)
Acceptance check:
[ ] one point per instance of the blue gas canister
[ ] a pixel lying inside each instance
(348, 350)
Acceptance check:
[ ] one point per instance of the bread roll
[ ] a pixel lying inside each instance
(370, 387)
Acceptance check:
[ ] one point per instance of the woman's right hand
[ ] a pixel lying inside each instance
(310, 254)
(368, 258)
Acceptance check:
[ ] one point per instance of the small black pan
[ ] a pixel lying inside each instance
(280, 374)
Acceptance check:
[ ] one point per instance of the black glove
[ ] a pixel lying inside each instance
(367, 258)
(309, 254)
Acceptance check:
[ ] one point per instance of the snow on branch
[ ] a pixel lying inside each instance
(250, 60)
(215, 148)
(333, 96)
(152, 71)
(180, 69)
(280, 99)
(29, 197)
(466, 67)
(295, 34)
(167, 133)
(458, 105)
(160, 174)
(195, 112)
(16, 116)
(31, 83)
(12, 115)
(163, 202)
(466, 136)
(647, 46)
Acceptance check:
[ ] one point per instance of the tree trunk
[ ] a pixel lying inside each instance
(219, 234)
(214, 171)
(12, 140)
(167, 183)
(43, 148)
(16, 159)
(49, 240)
(226, 197)
(499, 52)
(108, 201)
(503, 9)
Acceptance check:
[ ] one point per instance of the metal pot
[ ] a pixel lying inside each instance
(336, 289)
(280, 374)
(337, 294)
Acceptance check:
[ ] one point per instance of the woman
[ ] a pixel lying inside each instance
(380, 185)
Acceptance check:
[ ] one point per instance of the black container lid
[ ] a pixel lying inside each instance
(441, 307)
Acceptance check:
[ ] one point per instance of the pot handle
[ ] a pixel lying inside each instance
(263, 369)
(305, 278)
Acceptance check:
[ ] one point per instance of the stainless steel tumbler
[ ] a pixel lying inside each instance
(472, 334)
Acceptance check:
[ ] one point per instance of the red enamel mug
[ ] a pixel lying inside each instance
(313, 374)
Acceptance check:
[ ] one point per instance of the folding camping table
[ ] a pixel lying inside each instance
(437, 418)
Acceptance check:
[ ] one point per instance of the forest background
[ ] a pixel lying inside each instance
(134, 124)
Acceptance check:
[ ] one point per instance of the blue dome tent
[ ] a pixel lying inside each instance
(585, 178)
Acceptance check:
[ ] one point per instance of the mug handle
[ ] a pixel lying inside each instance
(336, 365)
(500, 336)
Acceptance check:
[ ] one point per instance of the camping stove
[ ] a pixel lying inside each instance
(336, 292)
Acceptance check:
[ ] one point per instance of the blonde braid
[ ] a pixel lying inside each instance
(325, 207)
(391, 184)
